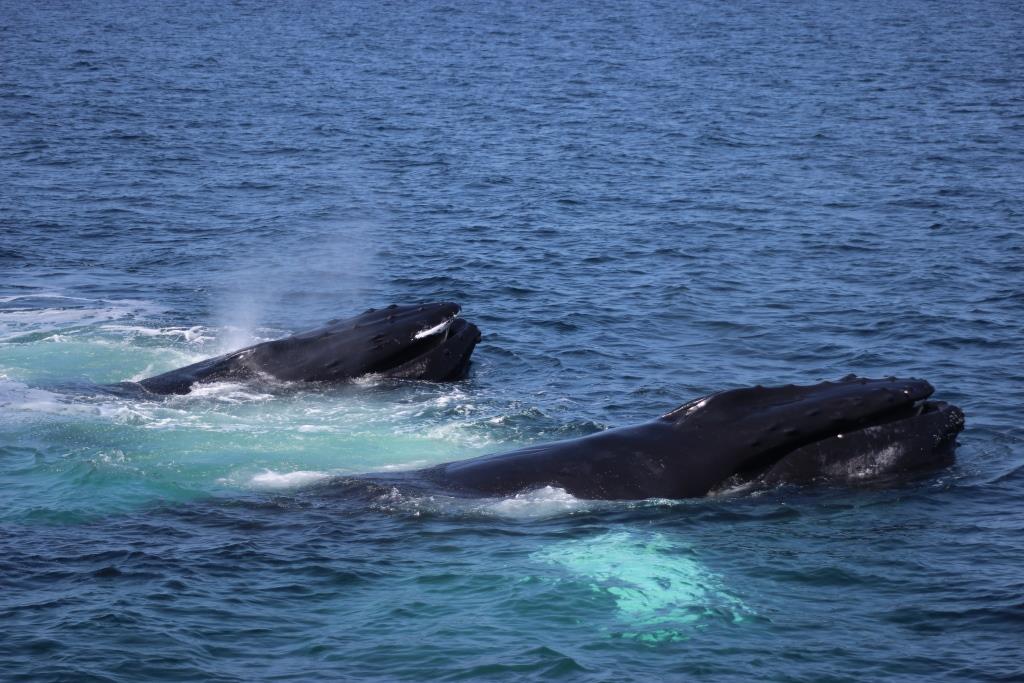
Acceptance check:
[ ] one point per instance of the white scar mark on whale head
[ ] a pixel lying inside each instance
(697, 406)
(436, 329)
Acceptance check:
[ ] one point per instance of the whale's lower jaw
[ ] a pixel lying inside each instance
(906, 442)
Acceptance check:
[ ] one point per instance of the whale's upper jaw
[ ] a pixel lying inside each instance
(827, 403)
(841, 430)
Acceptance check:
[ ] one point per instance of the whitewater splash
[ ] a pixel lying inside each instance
(278, 481)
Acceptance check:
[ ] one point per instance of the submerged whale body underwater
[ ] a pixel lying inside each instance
(853, 430)
(425, 341)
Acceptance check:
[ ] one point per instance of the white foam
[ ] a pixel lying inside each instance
(733, 486)
(542, 503)
(225, 392)
(19, 398)
(40, 296)
(314, 429)
(456, 432)
(276, 481)
(370, 380)
(34, 318)
(192, 335)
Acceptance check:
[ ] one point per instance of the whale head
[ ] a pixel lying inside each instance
(848, 431)
(419, 341)
(853, 430)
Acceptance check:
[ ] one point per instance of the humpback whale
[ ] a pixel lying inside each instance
(852, 430)
(426, 341)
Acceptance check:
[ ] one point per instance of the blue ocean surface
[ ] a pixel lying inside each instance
(638, 203)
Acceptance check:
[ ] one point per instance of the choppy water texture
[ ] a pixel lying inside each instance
(638, 203)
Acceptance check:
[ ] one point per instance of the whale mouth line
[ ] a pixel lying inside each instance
(439, 328)
(905, 412)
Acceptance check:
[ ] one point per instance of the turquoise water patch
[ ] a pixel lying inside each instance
(661, 591)
(87, 451)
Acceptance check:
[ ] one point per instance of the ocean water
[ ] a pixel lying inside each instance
(638, 203)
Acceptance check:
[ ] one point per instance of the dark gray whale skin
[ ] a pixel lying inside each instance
(853, 430)
(425, 341)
